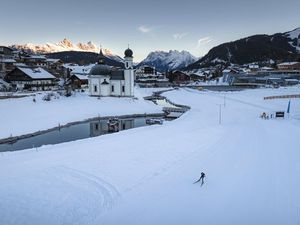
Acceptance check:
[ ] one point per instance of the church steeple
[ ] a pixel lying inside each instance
(101, 57)
(128, 59)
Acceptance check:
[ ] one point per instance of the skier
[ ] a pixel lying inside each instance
(201, 179)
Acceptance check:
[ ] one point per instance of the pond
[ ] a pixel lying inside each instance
(78, 131)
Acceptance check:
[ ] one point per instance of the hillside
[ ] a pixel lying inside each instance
(257, 48)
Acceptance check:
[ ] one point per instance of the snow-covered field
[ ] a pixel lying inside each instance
(145, 175)
(22, 116)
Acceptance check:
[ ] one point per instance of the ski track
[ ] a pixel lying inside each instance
(106, 192)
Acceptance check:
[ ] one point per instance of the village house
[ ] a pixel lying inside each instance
(289, 66)
(34, 60)
(31, 78)
(198, 76)
(147, 76)
(78, 81)
(6, 52)
(179, 77)
(107, 80)
(54, 64)
(6, 65)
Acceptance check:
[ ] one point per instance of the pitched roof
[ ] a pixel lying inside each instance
(288, 63)
(36, 73)
(81, 77)
(7, 60)
(53, 60)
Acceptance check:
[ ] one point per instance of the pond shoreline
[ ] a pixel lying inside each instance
(155, 96)
(13, 139)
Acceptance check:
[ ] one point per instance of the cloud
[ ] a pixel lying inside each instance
(179, 36)
(145, 29)
(204, 41)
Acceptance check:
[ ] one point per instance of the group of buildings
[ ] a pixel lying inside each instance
(22, 71)
(283, 74)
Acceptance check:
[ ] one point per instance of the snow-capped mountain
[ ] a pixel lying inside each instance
(171, 60)
(66, 45)
(256, 48)
(294, 36)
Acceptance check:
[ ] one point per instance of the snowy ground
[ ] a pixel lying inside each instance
(22, 116)
(145, 175)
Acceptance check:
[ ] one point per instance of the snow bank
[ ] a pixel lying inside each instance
(22, 115)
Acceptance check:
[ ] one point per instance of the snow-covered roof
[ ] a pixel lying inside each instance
(292, 80)
(288, 63)
(36, 73)
(78, 69)
(20, 65)
(7, 60)
(37, 57)
(52, 60)
(81, 77)
(200, 74)
(266, 68)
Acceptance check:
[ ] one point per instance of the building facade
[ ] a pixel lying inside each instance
(289, 66)
(31, 78)
(105, 80)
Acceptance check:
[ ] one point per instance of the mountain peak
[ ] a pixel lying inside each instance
(171, 60)
(66, 42)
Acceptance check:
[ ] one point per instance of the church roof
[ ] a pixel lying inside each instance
(117, 75)
(101, 69)
(128, 53)
(105, 70)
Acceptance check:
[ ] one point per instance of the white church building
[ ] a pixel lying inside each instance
(105, 80)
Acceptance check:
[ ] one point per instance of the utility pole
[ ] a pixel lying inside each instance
(220, 113)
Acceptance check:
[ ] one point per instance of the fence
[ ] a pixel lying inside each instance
(281, 96)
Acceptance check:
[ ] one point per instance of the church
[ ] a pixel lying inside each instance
(105, 80)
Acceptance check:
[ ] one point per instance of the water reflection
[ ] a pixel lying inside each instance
(75, 132)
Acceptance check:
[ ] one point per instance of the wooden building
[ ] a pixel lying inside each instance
(289, 66)
(31, 78)
(179, 77)
(78, 81)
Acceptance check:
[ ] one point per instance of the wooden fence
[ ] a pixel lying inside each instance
(281, 96)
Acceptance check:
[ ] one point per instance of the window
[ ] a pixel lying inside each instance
(123, 88)
(112, 88)
(95, 88)
(123, 126)
(126, 64)
(96, 126)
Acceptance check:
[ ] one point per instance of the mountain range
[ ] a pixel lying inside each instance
(88, 53)
(167, 61)
(257, 48)
(67, 46)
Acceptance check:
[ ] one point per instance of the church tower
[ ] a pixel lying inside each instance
(101, 57)
(129, 72)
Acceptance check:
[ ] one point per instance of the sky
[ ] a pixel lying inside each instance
(192, 25)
